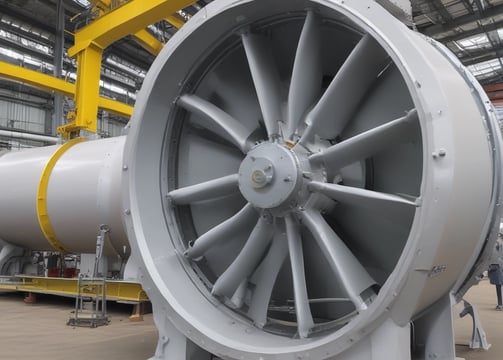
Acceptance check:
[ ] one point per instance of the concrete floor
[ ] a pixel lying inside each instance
(483, 297)
(39, 332)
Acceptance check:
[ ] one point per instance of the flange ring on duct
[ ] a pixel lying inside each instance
(301, 175)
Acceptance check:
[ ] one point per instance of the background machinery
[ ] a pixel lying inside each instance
(301, 180)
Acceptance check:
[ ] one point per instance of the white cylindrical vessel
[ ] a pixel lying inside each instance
(82, 193)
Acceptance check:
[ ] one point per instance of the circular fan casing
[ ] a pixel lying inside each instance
(414, 205)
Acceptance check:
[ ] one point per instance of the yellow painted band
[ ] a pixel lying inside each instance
(42, 213)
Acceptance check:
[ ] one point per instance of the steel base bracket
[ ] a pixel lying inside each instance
(172, 344)
(388, 342)
(433, 331)
(479, 339)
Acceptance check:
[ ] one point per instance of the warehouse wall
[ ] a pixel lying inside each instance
(25, 115)
(22, 117)
(108, 126)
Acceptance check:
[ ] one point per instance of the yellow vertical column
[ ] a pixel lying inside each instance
(86, 92)
(129, 18)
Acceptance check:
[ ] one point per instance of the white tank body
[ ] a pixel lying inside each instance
(83, 192)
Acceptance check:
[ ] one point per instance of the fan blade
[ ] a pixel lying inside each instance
(265, 278)
(359, 197)
(306, 81)
(266, 80)
(222, 232)
(304, 318)
(206, 190)
(332, 113)
(247, 260)
(215, 117)
(238, 298)
(363, 145)
(349, 272)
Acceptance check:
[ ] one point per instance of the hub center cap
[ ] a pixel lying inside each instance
(269, 176)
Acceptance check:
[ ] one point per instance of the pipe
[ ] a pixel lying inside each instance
(27, 136)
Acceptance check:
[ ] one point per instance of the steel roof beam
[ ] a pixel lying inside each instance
(440, 8)
(33, 21)
(469, 33)
(462, 20)
(468, 6)
(26, 34)
(478, 56)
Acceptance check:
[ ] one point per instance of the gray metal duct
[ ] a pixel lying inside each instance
(302, 180)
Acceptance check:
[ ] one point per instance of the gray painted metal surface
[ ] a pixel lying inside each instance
(379, 197)
(401, 9)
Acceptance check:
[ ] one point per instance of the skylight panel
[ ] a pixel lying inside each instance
(474, 42)
(485, 68)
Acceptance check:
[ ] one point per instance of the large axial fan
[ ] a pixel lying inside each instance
(303, 173)
(284, 120)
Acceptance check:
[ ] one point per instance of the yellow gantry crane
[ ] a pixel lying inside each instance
(112, 23)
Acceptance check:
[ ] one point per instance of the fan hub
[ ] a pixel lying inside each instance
(269, 176)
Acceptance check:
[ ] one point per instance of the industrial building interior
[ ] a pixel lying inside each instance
(73, 73)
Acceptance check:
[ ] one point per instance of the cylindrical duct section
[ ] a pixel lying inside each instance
(56, 197)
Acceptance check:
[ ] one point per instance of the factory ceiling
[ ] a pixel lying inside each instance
(472, 29)
(28, 33)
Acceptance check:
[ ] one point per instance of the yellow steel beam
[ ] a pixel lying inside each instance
(36, 79)
(101, 5)
(90, 41)
(115, 107)
(148, 41)
(127, 19)
(175, 20)
(53, 84)
(115, 289)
